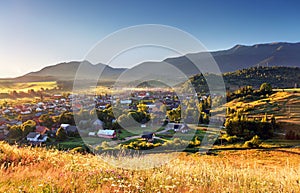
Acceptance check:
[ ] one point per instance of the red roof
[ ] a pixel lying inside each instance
(41, 129)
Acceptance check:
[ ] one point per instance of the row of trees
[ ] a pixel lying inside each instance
(247, 92)
(18, 132)
(243, 127)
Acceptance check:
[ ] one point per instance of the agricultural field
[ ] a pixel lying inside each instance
(285, 106)
(8, 87)
(39, 170)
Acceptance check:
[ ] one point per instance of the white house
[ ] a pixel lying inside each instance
(39, 109)
(36, 137)
(178, 127)
(92, 134)
(107, 133)
(64, 126)
(25, 112)
(128, 101)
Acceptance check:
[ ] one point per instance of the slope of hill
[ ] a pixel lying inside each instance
(277, 76)
(68, 71)
(241, 56)
(31, 169)
(284, 106)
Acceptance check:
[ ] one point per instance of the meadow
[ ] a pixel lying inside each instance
(31, 169)
(7, 87)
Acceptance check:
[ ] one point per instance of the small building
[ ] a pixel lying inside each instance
(92, 134)
(148, 136)
(36, 137)
(64, 126)
(71, 130)
(41, 129)
(178, 127)
(107, 133)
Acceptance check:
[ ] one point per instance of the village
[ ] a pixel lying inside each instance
(60, 118)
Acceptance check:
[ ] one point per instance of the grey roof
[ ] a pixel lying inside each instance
(32, 135)
(71, 129)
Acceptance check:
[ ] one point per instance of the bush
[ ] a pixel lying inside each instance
(143, 145)
(78, 150)
(230, 139)
(105, 145)
(195, 142)
(61, 134)
(254, 142)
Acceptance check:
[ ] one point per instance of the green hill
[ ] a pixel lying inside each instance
(277, 76)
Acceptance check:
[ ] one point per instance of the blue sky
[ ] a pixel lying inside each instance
(34, 34)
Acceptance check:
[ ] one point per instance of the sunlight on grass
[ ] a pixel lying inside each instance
(40, 170)
(24, 87)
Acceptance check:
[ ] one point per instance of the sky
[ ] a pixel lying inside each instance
(35, 34)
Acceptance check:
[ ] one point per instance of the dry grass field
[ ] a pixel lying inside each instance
(285, 106)
(40, 170)
(7, 87)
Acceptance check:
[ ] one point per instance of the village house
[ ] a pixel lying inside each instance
(178, 127)
(36, 137)
(41, 129)
(148, 136)
(107, 134)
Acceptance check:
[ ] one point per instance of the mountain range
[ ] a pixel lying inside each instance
(235, 58)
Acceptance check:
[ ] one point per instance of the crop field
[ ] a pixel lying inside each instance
(7, 87)
(285, 106)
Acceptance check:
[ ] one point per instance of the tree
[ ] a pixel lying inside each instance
(27, 127)
(265, 88)
(61, 134)
(15, 132)
(174, 115)
(46, 120)
(142, 107)
(265, 118)
(66, 117)
(273, 123)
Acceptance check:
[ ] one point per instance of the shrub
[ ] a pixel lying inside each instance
(195, 142)
(143, 145)
(230, 139)
(254, 142)
(61, 134)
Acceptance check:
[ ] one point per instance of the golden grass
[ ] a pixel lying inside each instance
(41, 170)
(283, 105)
(24, 87)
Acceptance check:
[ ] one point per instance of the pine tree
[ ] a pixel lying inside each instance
(61, 134)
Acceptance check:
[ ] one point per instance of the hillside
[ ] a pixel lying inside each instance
(68, 71)
(241, 56)
(39, 170)
(277, 76)
(285, 106)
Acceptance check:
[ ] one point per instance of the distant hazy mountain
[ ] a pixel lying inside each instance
(238, 57)
(68, 71)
